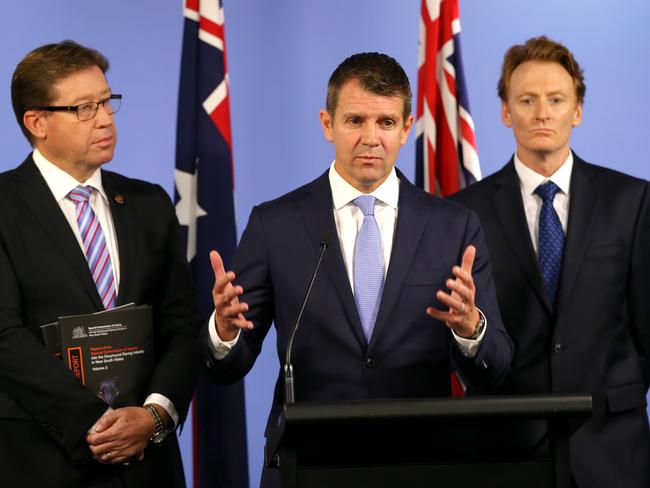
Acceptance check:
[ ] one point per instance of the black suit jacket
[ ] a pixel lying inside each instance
(44, 411)
(409, 354)
(596, 339)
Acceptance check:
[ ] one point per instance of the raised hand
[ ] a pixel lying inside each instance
(229, 311)
(462, 315)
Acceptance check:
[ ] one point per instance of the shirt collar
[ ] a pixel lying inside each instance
(62, 183)
(530, 179)
(343, 192)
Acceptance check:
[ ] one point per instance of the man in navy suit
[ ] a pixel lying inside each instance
(571, 267)
(61, 254)
(429, 258)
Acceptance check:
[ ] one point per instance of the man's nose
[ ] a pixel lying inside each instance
(370, 134)
(104, 115)
(543, 110)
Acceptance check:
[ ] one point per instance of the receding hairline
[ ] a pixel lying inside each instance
(556, 90)
(377, 73)
(54, 91)
(356, 81)
(541, 49)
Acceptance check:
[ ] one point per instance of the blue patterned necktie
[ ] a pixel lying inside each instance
(368, 266)
(550, 239)
(94, 242)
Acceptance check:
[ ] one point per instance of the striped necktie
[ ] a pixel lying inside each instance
(94, 244)
(368, 266)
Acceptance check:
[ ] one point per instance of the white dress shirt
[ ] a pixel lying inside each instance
(349, 218)
(62, 183)
(529, 180)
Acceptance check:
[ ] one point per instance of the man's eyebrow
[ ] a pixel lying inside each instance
(90, 98)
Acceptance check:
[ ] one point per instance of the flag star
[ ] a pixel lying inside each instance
(187, 207)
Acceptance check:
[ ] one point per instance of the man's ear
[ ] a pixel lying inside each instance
(36, 123)
(577, 115)
(505, 114)
(406, 129)
(326, 124)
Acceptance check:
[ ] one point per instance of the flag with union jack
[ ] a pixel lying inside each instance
(205, 208)
(446, 155)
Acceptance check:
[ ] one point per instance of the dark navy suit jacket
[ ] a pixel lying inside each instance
(596, 339)
(409, 354)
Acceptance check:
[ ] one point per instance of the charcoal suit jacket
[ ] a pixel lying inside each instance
(44, 411)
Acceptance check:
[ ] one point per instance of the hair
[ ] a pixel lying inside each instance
(377, 73)
(33, 80)
(540, 49)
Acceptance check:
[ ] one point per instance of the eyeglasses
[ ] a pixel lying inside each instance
(88, 110)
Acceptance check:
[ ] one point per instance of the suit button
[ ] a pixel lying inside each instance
(557, 348)
(483, 364)
(370, 363)
(57, 434)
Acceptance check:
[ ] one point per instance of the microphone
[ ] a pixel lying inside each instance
(289, 395)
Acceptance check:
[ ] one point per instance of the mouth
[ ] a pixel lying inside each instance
(542, 132)
(104, 142)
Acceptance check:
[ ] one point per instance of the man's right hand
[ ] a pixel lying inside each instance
(229, 311)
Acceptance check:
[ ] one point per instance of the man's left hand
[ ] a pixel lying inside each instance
(121, 435)
(462, 317)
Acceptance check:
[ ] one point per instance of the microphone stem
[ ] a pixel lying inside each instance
(288, 367)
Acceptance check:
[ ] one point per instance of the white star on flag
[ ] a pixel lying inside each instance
(187, 207)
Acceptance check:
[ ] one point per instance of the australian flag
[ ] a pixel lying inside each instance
(446, 154)
(205, 209)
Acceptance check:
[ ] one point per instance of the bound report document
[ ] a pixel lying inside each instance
(110, 352)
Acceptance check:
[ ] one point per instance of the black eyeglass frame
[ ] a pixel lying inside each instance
(75, 108)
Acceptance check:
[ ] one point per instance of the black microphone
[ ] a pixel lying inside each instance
(289, 396)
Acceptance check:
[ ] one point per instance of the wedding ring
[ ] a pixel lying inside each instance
(462, 310)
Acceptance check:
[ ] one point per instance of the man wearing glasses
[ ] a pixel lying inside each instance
(77, 239)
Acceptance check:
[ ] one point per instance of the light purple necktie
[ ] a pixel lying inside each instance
(92, 236)
(368, 266)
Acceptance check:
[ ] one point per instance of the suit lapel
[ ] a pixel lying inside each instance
(510, 211)
(38, 198)
(318, 216)
(583, 198)
(123, 215)
(411, 221)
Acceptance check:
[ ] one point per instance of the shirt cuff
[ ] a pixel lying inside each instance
(470, 347)
(165, 403)
(220, 349)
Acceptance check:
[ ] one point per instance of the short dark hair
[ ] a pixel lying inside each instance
(376, 72)
(540, 49)
(41, 69)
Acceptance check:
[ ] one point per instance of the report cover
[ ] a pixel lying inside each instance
(110, 352)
